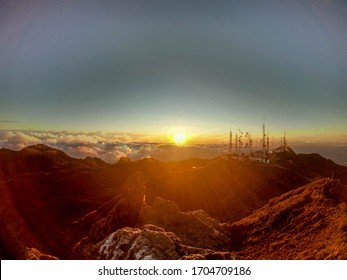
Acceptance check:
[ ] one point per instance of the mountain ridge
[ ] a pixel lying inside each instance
(46, 192)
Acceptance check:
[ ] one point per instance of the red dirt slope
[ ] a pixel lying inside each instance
(307, 223)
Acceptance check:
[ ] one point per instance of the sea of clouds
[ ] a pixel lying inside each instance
(110, 147)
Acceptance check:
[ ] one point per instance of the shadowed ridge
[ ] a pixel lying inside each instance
(124, 213)
(58, 158)
(322, 166)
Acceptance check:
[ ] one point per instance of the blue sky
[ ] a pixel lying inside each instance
(200, 67)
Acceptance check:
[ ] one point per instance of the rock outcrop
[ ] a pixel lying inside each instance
(34, 254)
(148, 243)
(163, 232)
(194, 228)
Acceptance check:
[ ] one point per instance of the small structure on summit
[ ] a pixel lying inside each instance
(242, 147)
(243, 144)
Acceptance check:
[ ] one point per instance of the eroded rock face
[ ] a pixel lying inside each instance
(34, 254)
(150, 243)
(194, 228)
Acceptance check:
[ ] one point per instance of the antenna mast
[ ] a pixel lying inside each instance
(264, 143)
(267, 144)
(231, 142)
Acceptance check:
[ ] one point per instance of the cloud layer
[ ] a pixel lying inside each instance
(109, 147)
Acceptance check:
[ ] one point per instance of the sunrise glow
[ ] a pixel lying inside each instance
(179, 138)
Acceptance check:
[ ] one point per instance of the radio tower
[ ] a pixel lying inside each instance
(230, 142)
(267, 144)
(250, 144)
(240, 144)
(285, 142)
(264, 143)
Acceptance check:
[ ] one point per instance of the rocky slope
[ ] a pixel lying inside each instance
(194, 228)
(69, 207)
(134, 230)
(148, 243)
(309, 222)
(229, 190)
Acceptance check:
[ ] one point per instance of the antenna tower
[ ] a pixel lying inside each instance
(230, 142)
(240, 141)
(267, 144)
(285, 142)
(250, 144)
(264, 143)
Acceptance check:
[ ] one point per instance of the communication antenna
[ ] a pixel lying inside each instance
(230, 142)
(264, 142)
(240, 141)
(267, 143)
(285, 142)
(250, 144)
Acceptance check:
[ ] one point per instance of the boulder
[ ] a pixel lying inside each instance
(150, 243)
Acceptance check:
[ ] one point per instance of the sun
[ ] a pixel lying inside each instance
(179, 138)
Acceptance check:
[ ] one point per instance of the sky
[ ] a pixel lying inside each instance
(162, 67)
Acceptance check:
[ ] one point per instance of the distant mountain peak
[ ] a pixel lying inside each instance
(124, 160)
(39, 147)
